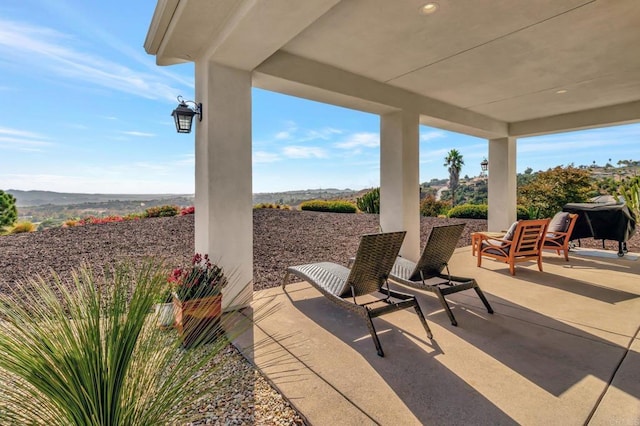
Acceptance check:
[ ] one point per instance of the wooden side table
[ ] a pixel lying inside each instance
(476, 239)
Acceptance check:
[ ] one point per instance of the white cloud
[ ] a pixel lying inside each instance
(152, 167)
(265, 157)
(304, 152)
(22, 140)
(325, 134)
(50, 51)
(572, 142)
(102, 180)
(290, 129)
(140, 134)
(282, 135)
(293, 133)
(360, 140)
(435, 134)
(186, 160)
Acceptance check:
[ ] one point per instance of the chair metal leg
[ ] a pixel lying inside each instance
(484, 299)
(423, 320)
(445, 305)
(285, 280)
(374, 335)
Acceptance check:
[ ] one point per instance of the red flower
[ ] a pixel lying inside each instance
(201, 279)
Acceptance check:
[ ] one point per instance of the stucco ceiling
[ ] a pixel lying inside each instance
(500, 60)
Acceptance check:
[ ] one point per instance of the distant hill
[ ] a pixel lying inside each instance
(294, 198)
(40, 198)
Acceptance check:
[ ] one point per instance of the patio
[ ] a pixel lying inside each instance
(496, 70)
(563, 346)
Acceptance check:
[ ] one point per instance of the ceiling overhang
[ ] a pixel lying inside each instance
(487, 68)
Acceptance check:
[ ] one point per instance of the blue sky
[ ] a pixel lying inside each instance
(87, 110)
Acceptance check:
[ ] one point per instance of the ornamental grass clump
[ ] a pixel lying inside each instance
(88, 352)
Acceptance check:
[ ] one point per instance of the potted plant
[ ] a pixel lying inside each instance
(164, 308)
(197, 300)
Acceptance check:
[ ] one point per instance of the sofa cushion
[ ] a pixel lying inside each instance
(559, 223)
(512, 229)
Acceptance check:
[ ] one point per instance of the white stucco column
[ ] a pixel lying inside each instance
(399, 179)
(502, 183)
(224, 214)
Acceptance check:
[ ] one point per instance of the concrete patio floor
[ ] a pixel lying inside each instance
(562, 348)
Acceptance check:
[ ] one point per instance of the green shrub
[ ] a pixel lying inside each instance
(480, 211)
(49, 223)
(8, 210)
(162, 211)
(272, 206)
(134, 216)
(21, 227)
(370, 202)
(469, 211)
(523, 213)
(431, 207)
(340, 206)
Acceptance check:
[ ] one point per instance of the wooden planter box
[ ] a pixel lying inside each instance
(198, 320)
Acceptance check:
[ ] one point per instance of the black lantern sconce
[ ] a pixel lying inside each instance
(183, 115)
(484, 165)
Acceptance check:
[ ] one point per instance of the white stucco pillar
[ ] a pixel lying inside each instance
(399, 179)
(223, 198)
(502, 183)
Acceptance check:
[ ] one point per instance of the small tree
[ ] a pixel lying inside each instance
(431, 207)
(454, 162)
(550, 190)
(8, 210)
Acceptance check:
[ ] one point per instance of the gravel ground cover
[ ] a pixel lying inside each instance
(281, 238)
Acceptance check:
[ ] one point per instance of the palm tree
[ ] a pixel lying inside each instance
(454, 162)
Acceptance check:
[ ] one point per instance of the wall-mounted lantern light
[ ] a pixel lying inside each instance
(183, 115)
(484, 165)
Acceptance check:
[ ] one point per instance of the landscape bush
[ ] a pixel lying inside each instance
(272, 206)
(469, 211)
(431, 207)
(523, 213)
(370, 202)
(107, 219)
(71, 223)
(22, 227)
(339, 206)
(481, 211)
(187, 210)
(134, 216)
(49, 223)
(162, 211)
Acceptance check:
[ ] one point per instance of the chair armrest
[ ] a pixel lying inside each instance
(492, 240)
(555, 235)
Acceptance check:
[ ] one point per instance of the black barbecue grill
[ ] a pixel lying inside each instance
(603, 221)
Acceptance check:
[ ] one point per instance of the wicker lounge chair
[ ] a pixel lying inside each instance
(427, 273)
(368, 275)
